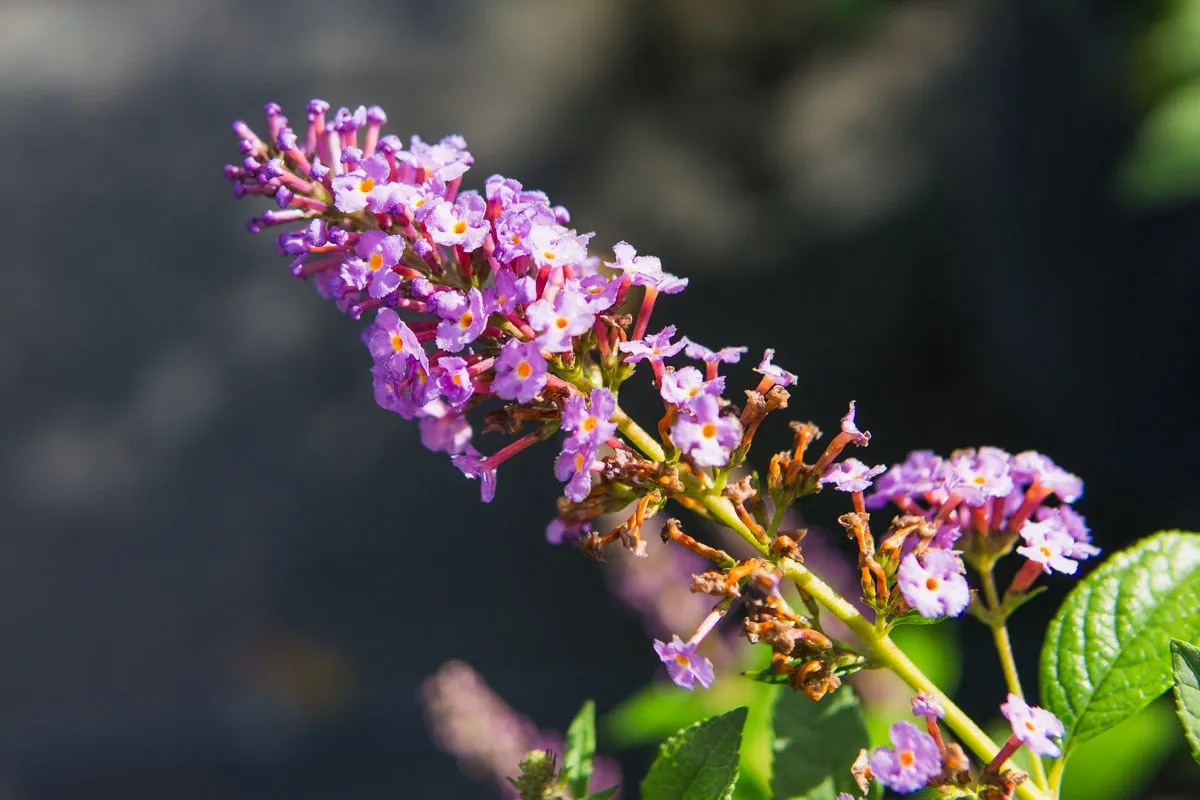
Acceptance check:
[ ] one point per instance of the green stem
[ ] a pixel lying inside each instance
(1008, 663)
(881, 645)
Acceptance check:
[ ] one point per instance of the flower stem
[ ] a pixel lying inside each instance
(1008, 664)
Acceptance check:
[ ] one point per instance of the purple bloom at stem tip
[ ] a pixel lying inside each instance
(706, 435)
(1034, 726)
(776, 374)
(684, 665)
(924, 705)
(520, 371)
(656, 347)
(1046, 543)
(851, 475)
(911, 763)
(935, 588)
(474, 467)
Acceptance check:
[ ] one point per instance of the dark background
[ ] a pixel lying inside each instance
(225, 571)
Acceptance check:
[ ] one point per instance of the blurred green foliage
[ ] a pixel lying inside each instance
(1164, 163)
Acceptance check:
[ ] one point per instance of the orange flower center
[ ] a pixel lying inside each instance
(460, 227)
(589, 424)
(367, 185)
(466, 321)
(931, 584)
(376, 262)
(561, 323)
(523, 370)
(683, 660)
(397, 343)
(906, 758)
(708, 431)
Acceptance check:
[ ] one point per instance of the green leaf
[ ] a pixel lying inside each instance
(1186, 658)
(815, 744)
(579, 751)
(604, 795)
(698, 763)
(1107, 651)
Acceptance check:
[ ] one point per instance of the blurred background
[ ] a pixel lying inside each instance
(225, 572)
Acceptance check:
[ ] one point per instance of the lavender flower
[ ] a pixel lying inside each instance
(474, 467)
(655, 348)
(1034, 726)
(683, 386)
(775, 374)
(684, 665)
(560, 319)
(851, 475)
(935, 588)
(645, 270)
(520, 371)
(925, 705)
(463, 318)
(1048, 544)
(908, 766)
(705, 434)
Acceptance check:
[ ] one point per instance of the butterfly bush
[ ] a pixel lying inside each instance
(484, 311)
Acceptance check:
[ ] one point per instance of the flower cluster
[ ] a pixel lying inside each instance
(923, 758)
(478, 297)
(980, 503)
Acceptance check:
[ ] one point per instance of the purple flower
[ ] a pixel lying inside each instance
(462, 224)
(924, 705)
(444, 430)
(1074, 526)
(463, 318)
(509, 292)
(554, 246)
(474, 467)
(935, 588)
(851, 475)
(1048, 544)
(777, 374)
(590, 421)
(393, 345)
(685, 667)
(645, 270)
(1034, 726)
(377, 254)
(560, 319)
(727, 355)
(708, 437)
(599, 292)
(977, 477)
(447, 160)
(656, 347)
(911, 763)
(520, 371)
(681, 387)
(574, 466)
(352, 190)
(860, 438)
(1031, 466)
(560, 530)
(453, 380)
(916, 475)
